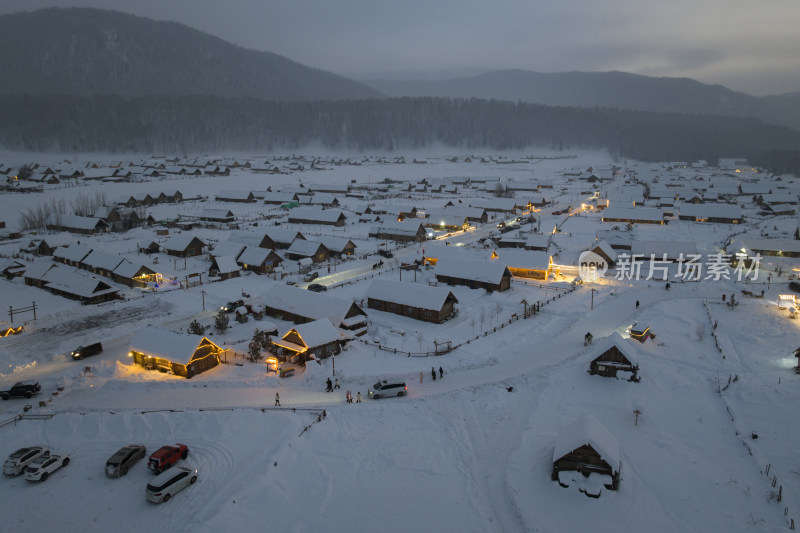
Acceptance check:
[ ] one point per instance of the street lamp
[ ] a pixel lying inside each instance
(525, 303)
(592, 291)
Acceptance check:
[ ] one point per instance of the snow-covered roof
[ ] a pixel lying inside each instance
(74, 252)
(537, 241)
(253, 255)
(316, 333)
(76, 282)
(100, 259)
(588, 430)
(280, 197)
(77, 222)
(673, 249)
(751, 246)
(731, 211)
(496, 204)
(523, 259)
(226, 264)
(312, 305)
(179, 242)
(304, 247)
(413, 294)
(216, 214)
(234, 195)
(606, 248)
(335, 244)
(393, 227)
(128, 269)
(283, 236)
(165, 344)
(229, 247)
(625, 346)
(633, 213)
(38, 269)
(315, 214)
(483, 271)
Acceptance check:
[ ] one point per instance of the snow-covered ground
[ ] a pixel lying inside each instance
(472, 451)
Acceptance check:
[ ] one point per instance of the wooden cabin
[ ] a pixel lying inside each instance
(166, 351)
(319, 337)
(420, 302)
(615, 355)
(587, 448)
(183, 245)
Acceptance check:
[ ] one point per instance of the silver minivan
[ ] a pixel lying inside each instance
(173, 480)
(388, 387)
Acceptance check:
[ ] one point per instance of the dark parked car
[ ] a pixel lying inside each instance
(386, 253)
(230, 307)
(316, 287)
(23, 389)
(794, 286)
(119, 463)
(85, 351)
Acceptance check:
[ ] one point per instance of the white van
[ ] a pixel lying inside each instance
(170, 482)
(388, 387)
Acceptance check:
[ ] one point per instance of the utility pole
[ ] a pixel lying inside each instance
(592, 291)
(203, 293)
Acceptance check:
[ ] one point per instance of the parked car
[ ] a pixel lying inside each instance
(311, 276)
(167, 456)
(17, 461)
(85, 351)
(388, 387)
(386, 253)
(291, 282)
(42, 467)
(22, 389)
(794, 286)
(162, 487)
(230, 307)
(316, 287)
(122, 461)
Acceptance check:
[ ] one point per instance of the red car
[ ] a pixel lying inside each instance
(167, 456)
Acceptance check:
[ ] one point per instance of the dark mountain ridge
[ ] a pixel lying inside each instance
(83, 51)
(606, 89)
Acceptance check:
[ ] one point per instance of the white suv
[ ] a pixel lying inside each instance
(388, 387)
(170, 482)
(17, 461)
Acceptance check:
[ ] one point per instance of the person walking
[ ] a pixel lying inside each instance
(441, 372)
(336, 385)
(358, 397)
(349, 397)
(433, 373)
(420, 377)
(637, 305)
(277, 399)
(328, 385)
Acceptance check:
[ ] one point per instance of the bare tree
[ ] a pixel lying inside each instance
(482, 316)
(43, 214)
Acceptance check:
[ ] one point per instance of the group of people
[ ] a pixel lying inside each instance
(349, 397)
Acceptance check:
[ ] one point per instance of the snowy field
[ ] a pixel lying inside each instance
(472, 451)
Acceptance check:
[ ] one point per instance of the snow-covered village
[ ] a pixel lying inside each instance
(399, 267)
(543, 341)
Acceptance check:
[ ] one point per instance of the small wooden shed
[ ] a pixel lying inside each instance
(586, 447)
(616, 354)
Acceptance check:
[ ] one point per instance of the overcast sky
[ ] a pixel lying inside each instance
(746, 45)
